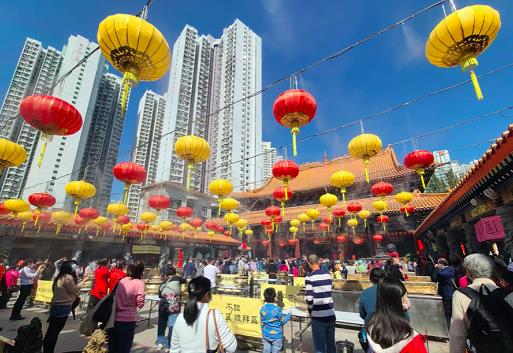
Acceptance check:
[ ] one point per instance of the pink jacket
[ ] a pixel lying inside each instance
(129, 297)
(11, 277)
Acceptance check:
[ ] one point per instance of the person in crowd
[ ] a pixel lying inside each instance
(11, 282)
(271, 321)
(393, 270)
(504, 276)
(492, 307)
(28, 274)
(129, 297)
(101, 283)
(351, 268)
(211, 272)
(189, 270)
(388, 330)
(201, 268)
(117, 273)
(232, 268)
(226, 266)
(362, 267)
(295, 271)
(368, 296)
(65, 290)
(444, 275)
(283, 267)
(260, 265)
(164, 268)
(456, 263)
(253, 265)
(320, 306)
(343, 270)
(169, 307)
(325, 265)
(272, 269)
(3, 284)
(57, 266)
(198, 328)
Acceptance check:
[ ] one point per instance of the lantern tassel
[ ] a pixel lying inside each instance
(353, 231)
(125, 193)
(37, 218)
(343, 191)
(129, 80)
(313, 224)
(76, 203)
(38, 228)
(219, 207)
(294, 131)
(365, 223)
(469, 63)
(79, 230)
(366, 162)
(283, 209)
(477, 88)
(190, 167)
(42, 154)
(23, 226)
(286, 189)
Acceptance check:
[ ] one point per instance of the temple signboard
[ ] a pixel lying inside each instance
(489, 229)
(479, 210)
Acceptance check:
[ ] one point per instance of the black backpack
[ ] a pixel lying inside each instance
(490, 316)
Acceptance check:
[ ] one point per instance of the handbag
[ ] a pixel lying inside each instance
(220, 348)
(105, 308)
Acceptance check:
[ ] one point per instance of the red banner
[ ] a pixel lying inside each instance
(489, 228)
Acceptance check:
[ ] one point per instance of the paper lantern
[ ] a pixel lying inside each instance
(159, 202)
(285, 170)
(323, 227)
(342, 179)
(193, 150)
(265, 223)
(122, 220)
(61, 218)
(377, 237)
(3, 210)
(89, 213)
(143, 227)
(418, 161)
(313, 213)
(265, 242)
(11, 154)
(338, 213)
(16, 206)
(125, 228)
(303, 218)
(358, 240)
(364, 147)
(148, 217)
(383, 219)
(354, 208)
(24, 217)
(184, 212)
(341, 239)
(129, 173)
(79, 221)
(227, 233)
(248, 232)
(139, 50)
(328, 200)
(295, 223)
(166, 225)
(211, 235)
(292, 242)
(282, 243)
(461, 36)
(379, 205)
(382, 189)
(211, 225)
(51, 116)
(293, 230)
(407, 210)
(364, 214)
(196, 223)
(231, 219)
(229, 204)
(404, 198)
(221, 188)
(155, 228)
(42, 201)
(353, 223)
(79, 190)
(282, 194)
(117, 209)
(293, 109)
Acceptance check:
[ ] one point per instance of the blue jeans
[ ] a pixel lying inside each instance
(272, 346)
(323, 336)
(165, 320)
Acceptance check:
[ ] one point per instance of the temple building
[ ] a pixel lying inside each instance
(313, 181)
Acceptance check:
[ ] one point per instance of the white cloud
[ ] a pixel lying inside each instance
(413, 50)
(280, 26)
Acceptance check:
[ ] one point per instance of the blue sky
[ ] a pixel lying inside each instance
(374, 76)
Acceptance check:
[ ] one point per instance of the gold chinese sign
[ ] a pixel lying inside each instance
(241, 314)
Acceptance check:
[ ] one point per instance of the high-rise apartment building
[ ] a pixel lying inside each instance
(102, 146)
(147, 144)
(209, 77)
(443, 158)
(65, 154)
(35, 73)
(270, 156)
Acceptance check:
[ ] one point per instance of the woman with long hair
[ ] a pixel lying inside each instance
(65, 291)
(388, 329)
(198, 328)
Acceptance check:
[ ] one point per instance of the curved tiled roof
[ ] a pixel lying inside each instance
(317, 175)
(493, 157)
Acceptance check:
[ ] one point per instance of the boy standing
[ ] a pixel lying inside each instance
(272, 320)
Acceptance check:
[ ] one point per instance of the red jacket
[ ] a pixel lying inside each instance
(101, 282)
(413, 344)
(114, 276)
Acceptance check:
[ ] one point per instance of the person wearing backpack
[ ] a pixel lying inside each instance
(169, 307)
(481, 312)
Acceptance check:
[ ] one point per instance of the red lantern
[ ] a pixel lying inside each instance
(419, 160)
(265, 222)
(420, 246)
(285, 171)
(89, 213)
(196, 223)
(282, 194)
(142, 227)
(123, 220)
(220, 228)
(227, 234)
(324, 227)
(293, 109)
(129, 173)
(211, 225)
(272, 211)
(265, 242)
(79, 221)
(50, 115)
(327, 219)
(338, 213)
(341, 239)
(377, 237)
(41, 200)
(184, 212)
(282, 243)
(383, 219)
(3, 211)
(159, 202)
(358, 240)
(354, 207)
(382, 189)
(278, 219)
(407, 210)
(292, 242)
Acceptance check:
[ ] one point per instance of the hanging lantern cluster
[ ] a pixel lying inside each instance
(221, 188)
(285, 171)
(303, 218)
(282, 194)
(193, 150)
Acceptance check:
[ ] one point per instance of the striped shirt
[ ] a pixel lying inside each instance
(318, 295)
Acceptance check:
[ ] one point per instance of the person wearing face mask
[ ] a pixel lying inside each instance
(28, 274)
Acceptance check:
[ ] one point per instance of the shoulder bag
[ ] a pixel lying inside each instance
(220, 348)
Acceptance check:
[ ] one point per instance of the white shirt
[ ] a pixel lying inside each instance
(192, 339)
(27, 276)
(210, 272)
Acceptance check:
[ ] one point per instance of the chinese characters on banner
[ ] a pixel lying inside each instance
(44, 292)
(489, 228)
(241, 314)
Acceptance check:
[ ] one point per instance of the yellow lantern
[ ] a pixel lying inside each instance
(404, 198)
(221, 188)
(248, 232)
(193, 150)
(148, 217)
(328, 200)
(16, 206)
(295, 223)
(380, 205)
(98, 222)
(364, 214)
(117, 209)
(241, 225)
(185, 227)
(125, 228)
(25, 217)
(231, 218)
(80, 190)
(155, 228)
(342, 179)
(211, 234)
(11, 154)
(352, 222)
(293, 230)
(365, 146)
(303, 218)
(312, 214)
(460, 37)
(166, 225)
(134, 47)
(61, 218)
(229, 204)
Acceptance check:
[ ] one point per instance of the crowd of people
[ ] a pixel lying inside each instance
(476, 294)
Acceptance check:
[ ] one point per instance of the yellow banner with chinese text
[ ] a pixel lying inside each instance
(286, 296)
(146, 249)
(241, 314)
(44, 291)
(299, 281)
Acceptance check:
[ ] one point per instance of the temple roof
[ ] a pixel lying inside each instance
(494, 159)
(317, 175)
(421, 202)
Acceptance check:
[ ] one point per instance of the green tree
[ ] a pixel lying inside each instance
(452, 180)
(435, 185)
